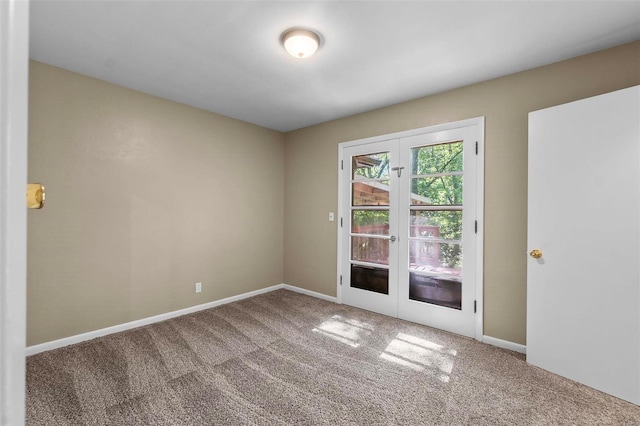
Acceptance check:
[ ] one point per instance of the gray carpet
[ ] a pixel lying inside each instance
(283, 358)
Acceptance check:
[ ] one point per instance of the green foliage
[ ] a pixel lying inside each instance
(451, 255)
(431, 159)
(370, 217)
(436, 160)
(440, 190)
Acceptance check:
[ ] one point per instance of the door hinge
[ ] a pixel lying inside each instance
(476, 147)
(341, 164)
(340, 222)
(475, 302)
(340, 279)
(476, 227)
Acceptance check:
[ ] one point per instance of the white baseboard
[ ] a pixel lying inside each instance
(71, 340)
(55, 344)
(504, 344)
(310, 293)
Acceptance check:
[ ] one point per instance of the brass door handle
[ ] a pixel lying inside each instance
(535, 253)
(35, 196)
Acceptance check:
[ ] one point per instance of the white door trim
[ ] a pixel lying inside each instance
(478, 122)
(14, 72)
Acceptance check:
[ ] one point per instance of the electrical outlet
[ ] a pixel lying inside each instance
(198, 287)
(331, 217)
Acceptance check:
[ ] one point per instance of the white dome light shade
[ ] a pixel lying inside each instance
(300, 43)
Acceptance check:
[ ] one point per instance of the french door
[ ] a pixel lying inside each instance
(408, 234)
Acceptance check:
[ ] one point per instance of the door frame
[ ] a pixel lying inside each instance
(478, 123)
(14, 81)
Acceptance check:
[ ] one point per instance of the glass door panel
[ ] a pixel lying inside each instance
(435, 236)
(374, 192)
(370, 279)
(370, 250)
(435, 257)
(436, 224)
(369, 227)
(372, 222)
(434, 290)
(437, 190)
(370, 166)
(437, 158)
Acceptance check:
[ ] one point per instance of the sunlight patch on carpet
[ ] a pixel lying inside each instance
(418, 354)
(345, 330)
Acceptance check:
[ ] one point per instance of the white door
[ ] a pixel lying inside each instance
(437, 221)
(583, 293)
(14, 57)
(408, 226)
(369, 223)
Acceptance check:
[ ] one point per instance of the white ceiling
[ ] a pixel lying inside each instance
(225, 57)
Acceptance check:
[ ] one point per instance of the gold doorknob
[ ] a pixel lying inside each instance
(536, 254)
(35, 196)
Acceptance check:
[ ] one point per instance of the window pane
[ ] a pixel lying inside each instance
(435, 258)
(372, 279)
(446, 225)
(371, 250)
(375, 222)
(446, 157)
(437, 191)
(371, 193)
(435, 290)
(370, 166)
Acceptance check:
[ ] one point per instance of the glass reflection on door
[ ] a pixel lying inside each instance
(370, 222)
(435, 225)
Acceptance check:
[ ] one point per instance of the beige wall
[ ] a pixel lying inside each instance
(145, 197)
(311, 157)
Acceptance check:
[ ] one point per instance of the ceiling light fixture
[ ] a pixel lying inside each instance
(300, 43)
